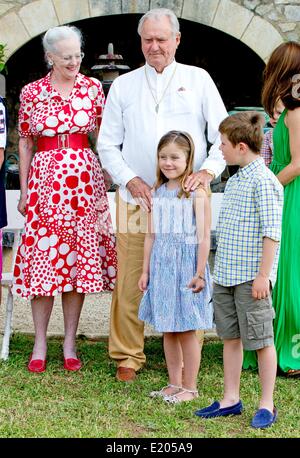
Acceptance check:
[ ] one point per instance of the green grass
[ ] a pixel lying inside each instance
(91, 403)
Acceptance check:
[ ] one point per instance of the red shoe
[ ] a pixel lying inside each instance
(72, 364)
(36, 365)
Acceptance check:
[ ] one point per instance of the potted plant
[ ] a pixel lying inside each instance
(2, 58)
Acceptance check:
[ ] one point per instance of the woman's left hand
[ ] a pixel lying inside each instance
(22, 205)
(107, 179)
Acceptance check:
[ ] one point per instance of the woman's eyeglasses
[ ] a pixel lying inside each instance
(68, 59)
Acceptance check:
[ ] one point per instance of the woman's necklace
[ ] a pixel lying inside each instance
(157, 102)
(63, 88)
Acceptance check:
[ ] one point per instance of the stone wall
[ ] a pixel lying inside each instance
(284, 15)
(260, 24)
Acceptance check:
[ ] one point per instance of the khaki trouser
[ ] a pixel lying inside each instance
(126, 338)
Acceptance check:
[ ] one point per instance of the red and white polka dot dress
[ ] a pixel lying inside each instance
(68, 243)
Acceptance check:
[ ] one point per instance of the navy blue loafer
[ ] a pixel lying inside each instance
(214, 410)
(264, 418)
(214, 406)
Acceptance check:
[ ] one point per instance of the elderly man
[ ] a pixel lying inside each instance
(143, 105)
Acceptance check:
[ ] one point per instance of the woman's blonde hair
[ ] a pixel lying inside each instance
(184, 142)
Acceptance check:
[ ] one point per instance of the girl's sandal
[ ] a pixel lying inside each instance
(175, 398)
(293, 373)
(161, 393)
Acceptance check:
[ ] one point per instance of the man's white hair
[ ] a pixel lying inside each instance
(158, 13)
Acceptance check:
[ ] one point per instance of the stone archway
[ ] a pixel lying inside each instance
(20, 24)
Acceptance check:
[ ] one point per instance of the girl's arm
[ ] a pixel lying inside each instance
(203, 224)
(148, 243)
(266, 148)
(291, 171)
(25, 156)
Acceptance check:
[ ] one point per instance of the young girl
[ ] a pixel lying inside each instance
(176, 278)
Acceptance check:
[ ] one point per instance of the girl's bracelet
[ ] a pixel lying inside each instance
(200, 276)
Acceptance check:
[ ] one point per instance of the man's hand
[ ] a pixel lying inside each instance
(141, 192)
(196, 179)
(260, 287)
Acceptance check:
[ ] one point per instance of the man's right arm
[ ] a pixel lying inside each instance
(111, 137)
(214, 113)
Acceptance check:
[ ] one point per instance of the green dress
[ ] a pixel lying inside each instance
(286, 293)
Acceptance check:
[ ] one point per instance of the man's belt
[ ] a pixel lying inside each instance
(62, 141)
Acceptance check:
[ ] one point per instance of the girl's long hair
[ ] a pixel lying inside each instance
(185, 143)
(282, 77)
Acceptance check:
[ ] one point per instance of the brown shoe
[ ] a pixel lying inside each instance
(125, 374)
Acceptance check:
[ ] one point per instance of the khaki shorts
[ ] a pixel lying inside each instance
(239, 315)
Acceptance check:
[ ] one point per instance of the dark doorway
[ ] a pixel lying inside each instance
(235, 68)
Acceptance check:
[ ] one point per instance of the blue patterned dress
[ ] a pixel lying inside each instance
(168, 305)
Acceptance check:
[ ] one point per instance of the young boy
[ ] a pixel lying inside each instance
(248, 234)
(3, 220)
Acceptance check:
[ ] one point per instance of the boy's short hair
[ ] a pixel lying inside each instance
(246, 127)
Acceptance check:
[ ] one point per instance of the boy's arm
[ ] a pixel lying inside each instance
(269, 203)
(148, 243)
(261, 283)
(203, 224)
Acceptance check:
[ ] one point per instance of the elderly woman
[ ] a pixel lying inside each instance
(68, 246)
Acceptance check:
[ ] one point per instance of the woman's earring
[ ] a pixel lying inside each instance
(50, 62)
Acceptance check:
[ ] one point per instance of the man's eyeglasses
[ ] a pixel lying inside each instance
(68, 59)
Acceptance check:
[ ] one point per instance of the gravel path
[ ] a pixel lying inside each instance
(94, 320)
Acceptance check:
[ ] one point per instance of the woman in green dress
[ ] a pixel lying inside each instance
(282, 81)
